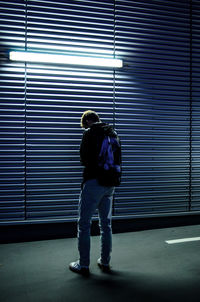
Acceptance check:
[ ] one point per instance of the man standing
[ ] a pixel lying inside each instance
(94, 194)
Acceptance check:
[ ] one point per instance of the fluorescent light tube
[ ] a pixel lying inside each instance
(63, 59)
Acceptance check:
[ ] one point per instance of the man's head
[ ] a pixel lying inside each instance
(88, 118)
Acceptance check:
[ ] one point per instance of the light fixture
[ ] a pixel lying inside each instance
(26, 56)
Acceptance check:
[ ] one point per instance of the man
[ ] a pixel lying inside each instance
(93, 194)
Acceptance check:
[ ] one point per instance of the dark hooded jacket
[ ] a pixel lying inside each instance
(90, 148)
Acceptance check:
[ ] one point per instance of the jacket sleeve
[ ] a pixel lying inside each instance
(84, 148)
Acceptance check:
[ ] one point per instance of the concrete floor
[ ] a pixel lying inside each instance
(145, 268)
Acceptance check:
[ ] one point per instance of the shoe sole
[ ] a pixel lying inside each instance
(105, 269)
(82, 272)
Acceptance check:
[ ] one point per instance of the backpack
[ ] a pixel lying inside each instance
(109, 162)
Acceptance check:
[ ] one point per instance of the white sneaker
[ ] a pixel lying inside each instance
(77, 268)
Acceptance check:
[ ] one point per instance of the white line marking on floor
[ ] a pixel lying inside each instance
(182, 240)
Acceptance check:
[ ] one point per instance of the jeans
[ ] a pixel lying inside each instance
(94, 196)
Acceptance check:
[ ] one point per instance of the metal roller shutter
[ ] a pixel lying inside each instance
(12, 111)
(149, 101)
(195, 92)
(153, 106)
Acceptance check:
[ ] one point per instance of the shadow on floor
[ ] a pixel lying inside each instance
(126, 286)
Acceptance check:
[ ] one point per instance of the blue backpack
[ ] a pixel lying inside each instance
(109, 162)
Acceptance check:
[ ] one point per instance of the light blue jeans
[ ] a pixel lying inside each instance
(94, 196)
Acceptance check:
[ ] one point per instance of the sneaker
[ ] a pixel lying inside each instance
(104, 267)
(77, 268)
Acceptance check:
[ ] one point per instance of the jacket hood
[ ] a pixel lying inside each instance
(103, 129)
